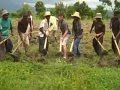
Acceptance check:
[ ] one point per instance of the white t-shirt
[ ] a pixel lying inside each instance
(45, 26)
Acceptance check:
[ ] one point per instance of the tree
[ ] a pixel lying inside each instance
(84, 9)
(109, 3)
(39, 7)
(59, 8)
(100, 9)
(69, 11)
(25, 8)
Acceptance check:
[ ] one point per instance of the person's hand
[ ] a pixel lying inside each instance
(90, 31)
(47, 33)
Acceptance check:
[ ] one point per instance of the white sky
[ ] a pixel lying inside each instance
(91, 3)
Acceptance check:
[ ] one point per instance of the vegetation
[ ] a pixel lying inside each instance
(87, 72)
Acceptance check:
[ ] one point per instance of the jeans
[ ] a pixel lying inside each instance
(76, 50)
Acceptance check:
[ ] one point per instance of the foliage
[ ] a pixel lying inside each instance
(100, 9)
(84, 9)
(69, 11)
(109, 3)
(57, 76)
(59, 8)
(39, 7)
(24, 8)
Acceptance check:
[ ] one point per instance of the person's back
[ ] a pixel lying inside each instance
(115, 25)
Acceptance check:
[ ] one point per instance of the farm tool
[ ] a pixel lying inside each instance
(70, 54)
(60, 49)
(114, 38)
(104, 51)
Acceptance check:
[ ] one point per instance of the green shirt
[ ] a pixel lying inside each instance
(5, 26)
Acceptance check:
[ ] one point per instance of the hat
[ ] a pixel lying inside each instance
(98, 15)
(4, 12)
(47, 13)
(76, 14)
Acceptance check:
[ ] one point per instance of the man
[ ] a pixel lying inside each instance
(78, 33)
(54, 28)
(99, 27)
(45, 28)
(24, 27)
(31, 20)
(115, 26)
(65, 33)
(6, 30)
(2, 49)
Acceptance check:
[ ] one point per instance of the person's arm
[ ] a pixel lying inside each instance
(110, 23)
(119, 30)
(93, 24)
(11, 28)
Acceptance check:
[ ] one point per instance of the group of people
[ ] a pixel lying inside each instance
(48, 27)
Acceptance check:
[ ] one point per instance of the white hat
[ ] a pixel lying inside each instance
(76, 14)
(98, 15)
(4, 12)
(47, 13)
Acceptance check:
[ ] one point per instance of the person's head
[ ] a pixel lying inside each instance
(25, 15)
(29, 13)
(116, 14)
(61, 16)
(76, 16)
(5, 14)
(98, 16)
(47, 15)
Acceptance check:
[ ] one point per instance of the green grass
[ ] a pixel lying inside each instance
(57, 76)
(83, 73)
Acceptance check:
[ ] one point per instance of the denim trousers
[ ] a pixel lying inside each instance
(76, 50)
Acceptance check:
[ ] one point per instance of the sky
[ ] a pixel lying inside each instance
(50, 3)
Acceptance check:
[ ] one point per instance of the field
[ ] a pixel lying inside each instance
(88, 72)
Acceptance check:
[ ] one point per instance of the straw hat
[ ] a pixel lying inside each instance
(4, 12)
(98, 15)
(47, 13)
(76, 14)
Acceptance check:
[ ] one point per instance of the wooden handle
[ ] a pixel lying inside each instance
(60, 48)
(116, 43)
(71, 47)
(45, 44)
(4, 40)
(100, 44)
(19, 43)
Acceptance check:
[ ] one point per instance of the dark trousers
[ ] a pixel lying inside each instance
(96, 45)
(8, 45)
(41, 44)
(114, 48)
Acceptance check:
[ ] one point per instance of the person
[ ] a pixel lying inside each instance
(54, 29)
(99, 27)
(24, 27)
(2, 49)
(65, 33)
(77, 32)
(31, 20)
(6, 30)
(115, 26)
(45, 28)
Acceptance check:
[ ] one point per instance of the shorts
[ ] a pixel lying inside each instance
(64, 41)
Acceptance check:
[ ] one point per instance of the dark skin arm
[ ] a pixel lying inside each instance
(11, 28)
(92, 26)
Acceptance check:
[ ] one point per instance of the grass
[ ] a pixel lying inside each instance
(57, 76)
(88, 72)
